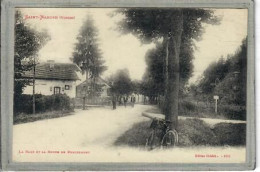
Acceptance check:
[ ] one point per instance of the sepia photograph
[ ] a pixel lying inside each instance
(146, 85)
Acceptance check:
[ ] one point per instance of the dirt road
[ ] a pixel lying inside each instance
(88, 136)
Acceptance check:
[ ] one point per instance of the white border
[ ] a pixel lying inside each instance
(7, 55)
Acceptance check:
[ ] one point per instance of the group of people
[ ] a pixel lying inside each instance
(132, 100)
(125, 100)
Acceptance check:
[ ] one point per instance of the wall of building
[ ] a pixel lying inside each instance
(104, 93)
(81, 91)
(46, 87)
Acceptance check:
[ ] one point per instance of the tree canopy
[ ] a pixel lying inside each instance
(151, 24)
(227, 77)
(87, 53)
(154, 77)
(27, 44)
(121, 83)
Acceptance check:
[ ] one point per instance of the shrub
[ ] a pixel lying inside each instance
(191, 132)
(233, 111)
(230, 134)
(195, 132)
(203, 109)
(24, 103)
(187, 106)
(136, 136)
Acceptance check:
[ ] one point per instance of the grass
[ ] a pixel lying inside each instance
(192, 132)
(191, 110)
(24, 118)
(230, 134)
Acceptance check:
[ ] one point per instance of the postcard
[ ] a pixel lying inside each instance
(116, 85)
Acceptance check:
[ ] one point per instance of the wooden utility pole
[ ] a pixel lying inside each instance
(34, 85)
(216, 103)
(86, 89)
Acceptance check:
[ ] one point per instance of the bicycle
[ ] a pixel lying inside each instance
(161, 135)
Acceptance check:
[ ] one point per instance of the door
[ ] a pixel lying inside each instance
(56, 90)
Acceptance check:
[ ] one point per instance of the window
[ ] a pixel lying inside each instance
(67, 87)
(56, 90)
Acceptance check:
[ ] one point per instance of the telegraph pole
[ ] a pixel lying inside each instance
(34, 85)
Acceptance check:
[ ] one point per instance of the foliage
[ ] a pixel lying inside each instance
(42, 103)
(233, 87)
(151, 24)
(154, 78)
(191, 132)
(137, 86)
(88, 55)
(227, 78)
(27, 44)
(230, 134)
(191, 108)
(24, 118)
(121, 83)
(214, 74)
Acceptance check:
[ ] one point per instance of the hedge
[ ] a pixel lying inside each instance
(201, 109)
(24, 103)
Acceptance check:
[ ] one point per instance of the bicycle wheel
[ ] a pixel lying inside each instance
(150, 141)
(170, 139)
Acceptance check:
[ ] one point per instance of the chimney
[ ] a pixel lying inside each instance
(51, 62)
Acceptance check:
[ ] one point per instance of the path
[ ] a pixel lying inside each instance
(210, 121)
(87, 136)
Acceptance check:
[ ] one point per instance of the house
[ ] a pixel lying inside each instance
(103, 96)
(54, 78)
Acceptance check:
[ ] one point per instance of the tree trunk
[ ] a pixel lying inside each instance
(166, 39)
(86, 92)
(173, 72)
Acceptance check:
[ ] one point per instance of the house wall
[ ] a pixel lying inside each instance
(46, 87)
(104, 92)
(80, 91)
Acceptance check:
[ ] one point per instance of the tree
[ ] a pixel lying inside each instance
(175, 26)
(154, 75)
(154, 78)
(121, 84)
(88, 56)
(231, 87)
(27, 44)
(213, 75)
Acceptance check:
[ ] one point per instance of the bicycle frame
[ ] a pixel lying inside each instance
(166, 135)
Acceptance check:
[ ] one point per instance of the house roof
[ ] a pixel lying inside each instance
(57, 71)
(98, 81)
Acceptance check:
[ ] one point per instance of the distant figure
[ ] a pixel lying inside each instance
(125, 100)
(114, 102)
(132, 101)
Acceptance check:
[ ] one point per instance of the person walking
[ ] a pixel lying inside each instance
(114, 102)
(125, 101)
(133, 101)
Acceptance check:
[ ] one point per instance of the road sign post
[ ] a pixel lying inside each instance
(216, 103)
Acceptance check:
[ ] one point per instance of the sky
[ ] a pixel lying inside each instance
(126, 51)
